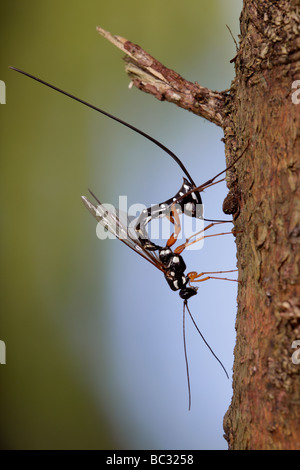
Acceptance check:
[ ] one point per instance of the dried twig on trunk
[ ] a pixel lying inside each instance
(149, 75)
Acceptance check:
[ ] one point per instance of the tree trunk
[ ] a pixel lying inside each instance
(260, 119)
(264, 412)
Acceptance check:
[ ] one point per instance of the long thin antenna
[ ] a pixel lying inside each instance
(135, 129)
(210, 182)
(197, 328)
(185, 356)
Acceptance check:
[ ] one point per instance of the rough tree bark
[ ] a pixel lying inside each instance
(264, 199)
(264, 413)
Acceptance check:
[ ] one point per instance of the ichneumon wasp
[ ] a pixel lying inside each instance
(168, 261)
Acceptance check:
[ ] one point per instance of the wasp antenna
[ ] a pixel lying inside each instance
(99, 110)
(197, 328)
(211, 181)
(185, 355)
(218, 220)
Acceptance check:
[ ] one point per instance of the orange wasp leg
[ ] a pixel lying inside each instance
(177, 226)
(193, 276)
(187, 243)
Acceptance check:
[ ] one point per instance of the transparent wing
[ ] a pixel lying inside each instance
(121, 229)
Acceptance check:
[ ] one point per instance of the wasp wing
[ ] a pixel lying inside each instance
(111, 221)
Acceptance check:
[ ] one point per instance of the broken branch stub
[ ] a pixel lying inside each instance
(149, 75)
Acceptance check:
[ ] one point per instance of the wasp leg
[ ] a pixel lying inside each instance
(187, 243)
(174, 218)
(193, 276)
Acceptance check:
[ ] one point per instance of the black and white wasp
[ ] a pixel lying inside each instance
(166, 259)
